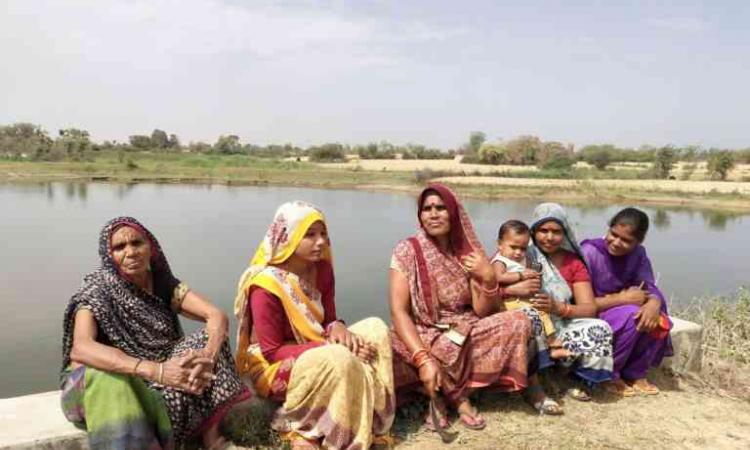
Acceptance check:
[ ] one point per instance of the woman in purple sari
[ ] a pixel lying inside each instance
(629, 300)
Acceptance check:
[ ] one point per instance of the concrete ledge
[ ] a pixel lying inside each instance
(36, 421)
(688, 353)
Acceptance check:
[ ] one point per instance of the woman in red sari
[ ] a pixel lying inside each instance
(447, 334)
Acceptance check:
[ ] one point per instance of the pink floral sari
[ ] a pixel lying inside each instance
(495, 352)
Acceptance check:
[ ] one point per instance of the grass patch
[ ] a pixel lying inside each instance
(726, 341)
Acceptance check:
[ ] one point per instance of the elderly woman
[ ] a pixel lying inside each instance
(567, 296)
(447, 334)
(629, 301)
(336, 384)
(130, 376)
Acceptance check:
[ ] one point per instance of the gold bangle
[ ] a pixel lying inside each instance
(137, 363)
(160, 379)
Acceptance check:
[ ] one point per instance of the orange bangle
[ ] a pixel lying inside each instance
(489, 291)
(418, 354)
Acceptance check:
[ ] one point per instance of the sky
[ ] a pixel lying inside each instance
(430, 72)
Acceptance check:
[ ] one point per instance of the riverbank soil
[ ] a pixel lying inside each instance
(683, 416)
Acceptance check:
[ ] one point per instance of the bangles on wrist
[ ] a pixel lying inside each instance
(135, 367)
(564, 309)
(489, 292)
(420, 357)
(160, 378)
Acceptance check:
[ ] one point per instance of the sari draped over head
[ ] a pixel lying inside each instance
(140, 324)
(554, 284)
(305, 313)
(331, 395)
(634, 352)
(463, 241)
(143, 325)
(495, 351)
(588, 339)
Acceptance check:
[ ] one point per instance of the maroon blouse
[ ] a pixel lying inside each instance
(271, 327)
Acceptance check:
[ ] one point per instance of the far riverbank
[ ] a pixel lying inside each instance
(250, 171)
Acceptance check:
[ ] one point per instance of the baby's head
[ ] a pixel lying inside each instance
(513, 240)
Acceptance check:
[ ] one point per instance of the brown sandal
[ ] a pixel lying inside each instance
(440, 422)
(642, 386)
(619, 388)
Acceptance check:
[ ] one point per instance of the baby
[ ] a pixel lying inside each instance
(511, 267)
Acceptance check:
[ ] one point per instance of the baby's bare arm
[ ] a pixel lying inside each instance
(505, 278)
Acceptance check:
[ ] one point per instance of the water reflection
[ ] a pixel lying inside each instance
(122, 190)
(718, 220)
(661, 219)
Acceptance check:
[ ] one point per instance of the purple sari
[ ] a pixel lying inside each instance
(634, 351)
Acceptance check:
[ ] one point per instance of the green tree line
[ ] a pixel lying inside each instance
(530, 150)
(30, 141)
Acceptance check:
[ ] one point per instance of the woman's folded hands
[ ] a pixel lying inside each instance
(355, 343)
(191, 372)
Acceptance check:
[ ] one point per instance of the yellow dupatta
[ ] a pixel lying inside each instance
(305, 314)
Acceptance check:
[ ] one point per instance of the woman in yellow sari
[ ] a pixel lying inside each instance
(336, 384)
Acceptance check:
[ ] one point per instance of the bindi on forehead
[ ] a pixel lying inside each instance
(433, 200)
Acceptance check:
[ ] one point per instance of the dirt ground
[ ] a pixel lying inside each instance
(681, 417)
(697, 187)
(741, 172)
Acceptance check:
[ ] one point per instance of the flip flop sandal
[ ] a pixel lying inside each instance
(613, 389)
(479, 423)
(548, 407)
(298, 442)
(383, 441)
(303, 444)
(649, 389)
(440, 413)
(579, 394)
(446, 435)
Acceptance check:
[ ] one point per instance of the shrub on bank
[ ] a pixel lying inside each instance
(726, 340)
(327, 153)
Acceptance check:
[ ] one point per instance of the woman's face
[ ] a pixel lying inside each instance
(131, 251)
(314, 243)
(434, 216)
(549, 236)
(620, 240)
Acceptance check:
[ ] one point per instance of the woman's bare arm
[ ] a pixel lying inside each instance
(87, 351)
(400, 302)
(196, 306)
(585, 306)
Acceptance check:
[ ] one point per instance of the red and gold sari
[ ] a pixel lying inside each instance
(328, 394)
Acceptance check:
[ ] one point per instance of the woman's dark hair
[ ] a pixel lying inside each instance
(634, 218)
(512, 225)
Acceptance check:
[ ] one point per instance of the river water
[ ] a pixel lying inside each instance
(50, 232)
